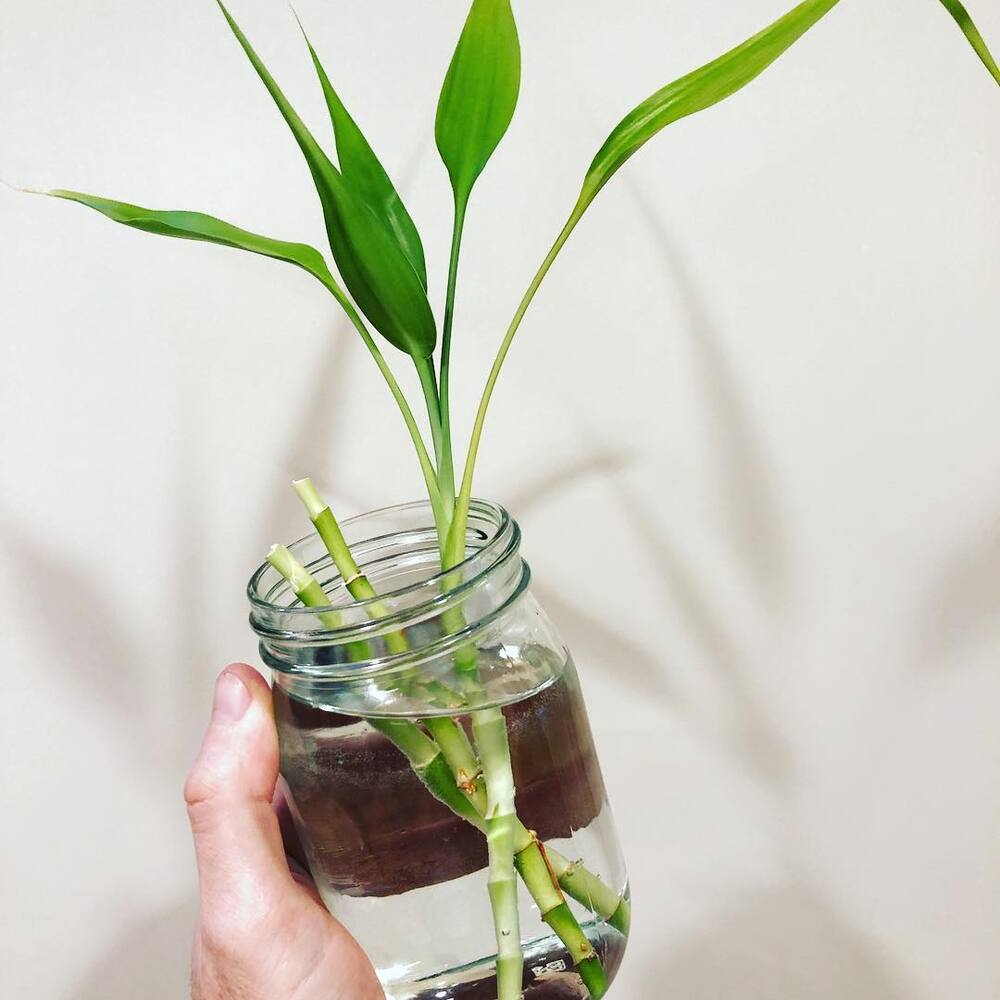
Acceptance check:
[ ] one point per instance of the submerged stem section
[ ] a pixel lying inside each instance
(581, 884)
(534, 867)
(489, 728)
(449, 768)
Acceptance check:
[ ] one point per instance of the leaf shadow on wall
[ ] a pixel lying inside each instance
(604, 644)
(785, 940)
(751, 518)
(745, 484)
(100, 650)
(960, 607)
(313, 440)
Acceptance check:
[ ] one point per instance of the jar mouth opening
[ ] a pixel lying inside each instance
(492, 535)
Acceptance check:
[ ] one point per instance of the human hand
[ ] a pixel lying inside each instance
(262, 932)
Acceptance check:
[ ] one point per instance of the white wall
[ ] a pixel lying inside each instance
(759, 392)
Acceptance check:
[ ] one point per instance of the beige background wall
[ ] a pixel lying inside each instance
(760, 388)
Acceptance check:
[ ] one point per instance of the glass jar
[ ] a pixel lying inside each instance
(403, 872)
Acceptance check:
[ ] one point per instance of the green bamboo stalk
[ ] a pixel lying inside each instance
(538, 880)
(308, 590)
(455, 547)
(357, 583)
(573, 878)
(402, 403)
(428, 761)
(423, 753)
(470, 801)
(489, 727)
(442, 445)
(447, 464)
(448, 734)
(579, 883)
(534, 868)
(546, 875)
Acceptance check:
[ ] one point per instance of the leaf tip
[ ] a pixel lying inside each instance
(19, 189)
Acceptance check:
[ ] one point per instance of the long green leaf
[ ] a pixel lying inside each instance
(479, 94)
(206, 229)
(366, 176)
(976, 40)
(709, 85)
(376, 272)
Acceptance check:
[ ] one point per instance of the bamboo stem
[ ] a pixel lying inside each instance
(311, 594)
(442, 452)
(424, 754)
(446, 465)
(456, 533)
(428, 761)
(470, 801)
(426, 465)
(489, 727)
(449, 735)
(357, 583)
(579, 883)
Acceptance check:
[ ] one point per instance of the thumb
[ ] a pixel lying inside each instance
(241, 863)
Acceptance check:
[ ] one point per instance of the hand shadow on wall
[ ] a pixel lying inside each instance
(151, 962)
(97, 648)
(78, 628)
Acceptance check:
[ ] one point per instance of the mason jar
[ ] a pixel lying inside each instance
(400, 869)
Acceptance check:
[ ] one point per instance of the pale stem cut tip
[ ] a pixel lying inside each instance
(309, 496)
(290, 568)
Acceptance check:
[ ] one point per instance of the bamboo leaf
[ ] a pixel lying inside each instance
(479, 94)
(971, 32)
(366, 176)
(205, 229)
(375, 270)
(709, 85)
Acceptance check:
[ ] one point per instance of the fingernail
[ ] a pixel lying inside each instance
(232, 699)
